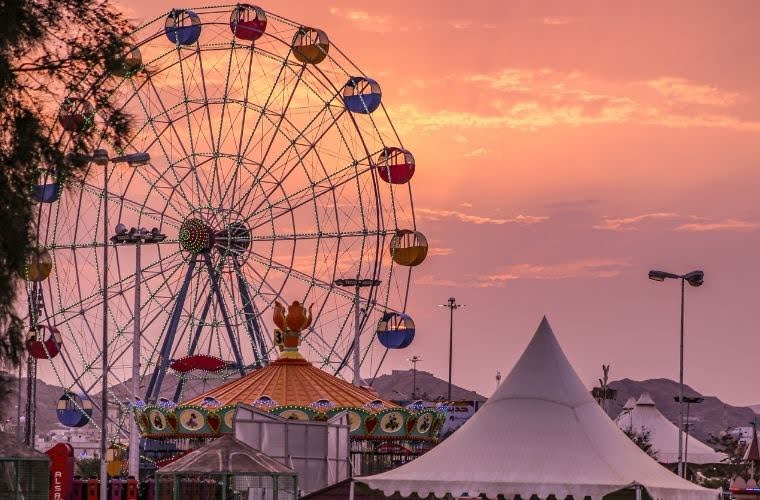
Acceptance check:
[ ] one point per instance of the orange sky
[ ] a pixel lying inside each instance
(563, 149)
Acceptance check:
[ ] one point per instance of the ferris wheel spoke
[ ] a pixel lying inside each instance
(134, 206)
(273, 134)
(113, 288)
(247, 85)
(299, 163)
(244, 152)
(157, 135)
(309, 194)
(186, 100)
(213, 144)
(308, 279)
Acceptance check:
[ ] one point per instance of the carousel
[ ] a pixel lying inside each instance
(383, 434)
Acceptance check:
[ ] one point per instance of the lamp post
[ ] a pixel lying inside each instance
(694, 278)
(689, 401)
(452, 306)
(414, 360)
(100, 157)
(357, 284)
(138, 237)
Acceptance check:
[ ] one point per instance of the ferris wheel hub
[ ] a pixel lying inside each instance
(200, 234)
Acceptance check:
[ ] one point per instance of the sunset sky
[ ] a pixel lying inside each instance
(563, 149)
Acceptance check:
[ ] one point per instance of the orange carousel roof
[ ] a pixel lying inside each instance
(291, 381)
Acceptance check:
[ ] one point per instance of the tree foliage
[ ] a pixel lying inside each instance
(49, 49)
(642, 439)
(734, 463)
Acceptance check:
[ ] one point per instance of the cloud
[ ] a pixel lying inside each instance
(631, 223)
(585, 268)
(686, 91)
(439, 215)
(364, 20)
(477, 153)
(466, 204)
(531, 99)
(597, 268)
(719, 225)
(435, 251)
(432, 280)
(691, 223)
(461, 24)
(555, 20)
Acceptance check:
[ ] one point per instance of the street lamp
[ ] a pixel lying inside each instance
(100, 157)
(357, 284)
(689, 401)
(137, 237)
(414, 360)
(694, 278)
(452, 305)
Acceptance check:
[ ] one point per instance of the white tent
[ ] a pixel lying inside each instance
(540, 433)
(663, 434)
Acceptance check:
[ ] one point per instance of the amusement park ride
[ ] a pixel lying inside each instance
(268, 165)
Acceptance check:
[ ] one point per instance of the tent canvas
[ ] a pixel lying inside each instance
(541, 433)
(663, 434)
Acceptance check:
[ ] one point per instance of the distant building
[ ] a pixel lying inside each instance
(743, 434)
(84, 440)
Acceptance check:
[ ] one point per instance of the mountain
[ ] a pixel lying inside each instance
(712, 416)
(397, 385)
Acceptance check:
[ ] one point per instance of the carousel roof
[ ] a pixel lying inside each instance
(290, 381)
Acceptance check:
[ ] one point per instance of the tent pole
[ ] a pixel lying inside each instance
(351, 490)
(638, 492)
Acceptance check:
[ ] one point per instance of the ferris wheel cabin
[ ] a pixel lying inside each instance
(248, 22)
(310, 45)
(362, 95)
(395, 165)
(395, 330)
(183, 27)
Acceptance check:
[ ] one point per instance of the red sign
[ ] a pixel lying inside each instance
(61, 470)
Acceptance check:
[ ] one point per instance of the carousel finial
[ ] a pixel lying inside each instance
(287, 336)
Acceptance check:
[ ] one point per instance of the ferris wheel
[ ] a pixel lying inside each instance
(261, 167)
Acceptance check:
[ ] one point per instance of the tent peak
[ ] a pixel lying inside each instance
(645, 400)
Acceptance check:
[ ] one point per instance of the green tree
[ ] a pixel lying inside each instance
(733, 464)
(88, 467)
(642, 439)
(49, 49)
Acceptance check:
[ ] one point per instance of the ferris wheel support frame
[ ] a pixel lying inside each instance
(151, 395)
(254, 331)
(214, 275)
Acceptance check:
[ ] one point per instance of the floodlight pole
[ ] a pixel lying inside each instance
(134, 433)
(695, 279)
(138, 237)
(452, 305)
(681, 471)
(689, 401)
(104, 394)
(357, 283)
(414, 359)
